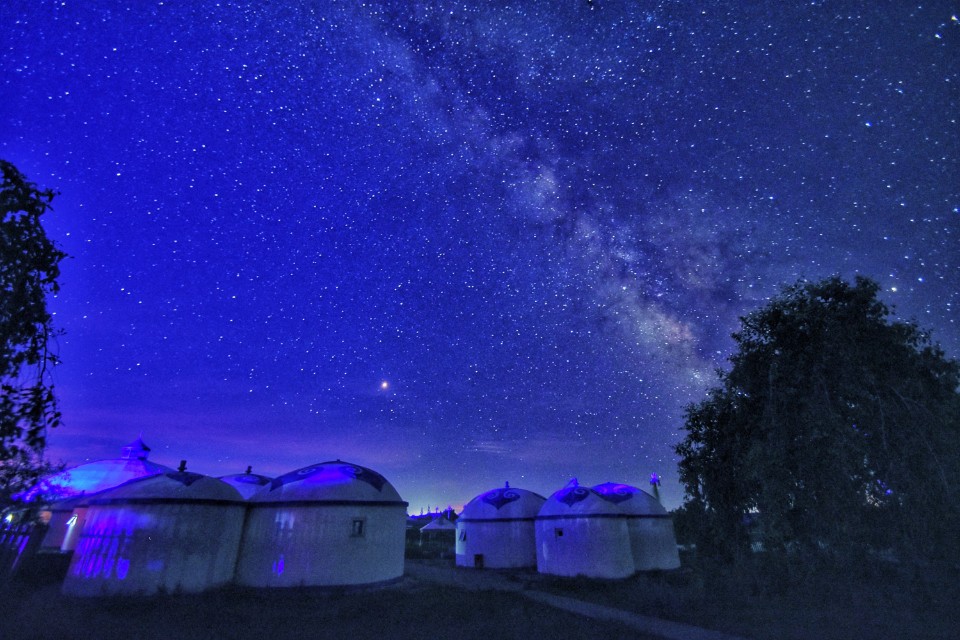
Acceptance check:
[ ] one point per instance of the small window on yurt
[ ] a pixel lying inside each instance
(558, 532)
(359, 528)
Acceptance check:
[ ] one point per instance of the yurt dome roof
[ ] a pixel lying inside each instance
(175, 486)
(247, 483)
(254, 479)
(330, 482)
(94, 477)
(576, 500)
(630, 499)
(505, 503)
(440, 524)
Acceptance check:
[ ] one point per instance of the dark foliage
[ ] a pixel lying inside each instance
(835, 433)
(29, 268)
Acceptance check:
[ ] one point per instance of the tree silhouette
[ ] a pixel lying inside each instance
(836, 430)
(29, 269)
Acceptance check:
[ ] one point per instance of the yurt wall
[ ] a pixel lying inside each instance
(333, 523)
(580, 533)
(496, 529)
(148, 536)
(650, 527)
(496, 544)
(654, 543)
(584, 546)
(321, 544)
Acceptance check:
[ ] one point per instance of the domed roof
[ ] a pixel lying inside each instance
(576, 500)
(246, 483)
(440, 524)
(631, 500)
(505, 503)
(180, 486)
(94, 477)
(330, 482)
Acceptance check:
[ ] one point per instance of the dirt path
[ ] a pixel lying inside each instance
(523, 585)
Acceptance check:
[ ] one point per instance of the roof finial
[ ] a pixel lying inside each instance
(249, 469)
(183, 466)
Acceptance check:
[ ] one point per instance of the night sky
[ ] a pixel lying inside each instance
(463, 243)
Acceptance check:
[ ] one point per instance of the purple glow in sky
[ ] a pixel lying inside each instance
(463, 243)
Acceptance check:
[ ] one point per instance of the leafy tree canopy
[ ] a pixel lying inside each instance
(836, 430)
(29, 268)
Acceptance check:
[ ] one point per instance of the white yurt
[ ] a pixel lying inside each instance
(578, 532)
(247, 483)
(68, 492)
(496, 529)
(176, 531)
(652, 539)
(442, 527)
(332, 523)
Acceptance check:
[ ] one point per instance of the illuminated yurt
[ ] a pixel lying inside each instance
(176, 531)
(496, 529)
(332, 523)
(578, 532)
(247, 483)
(67, 492)
(652, 540)
(94, 477)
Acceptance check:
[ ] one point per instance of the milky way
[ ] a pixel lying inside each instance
(536, 222)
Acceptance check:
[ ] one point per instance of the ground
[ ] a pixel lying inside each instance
(435, 599)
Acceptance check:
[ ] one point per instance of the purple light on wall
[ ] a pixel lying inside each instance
(123, 568)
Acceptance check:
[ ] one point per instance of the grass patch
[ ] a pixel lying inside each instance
(400, 611)
(758, 602)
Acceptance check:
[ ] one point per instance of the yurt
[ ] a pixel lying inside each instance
(578, 532)
(496, 529)
(247, 483)
(68, 492)
(652, 540)
(437, 537)
(332, 523)
(176, 531)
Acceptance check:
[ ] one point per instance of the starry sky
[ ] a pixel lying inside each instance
(463, 242)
